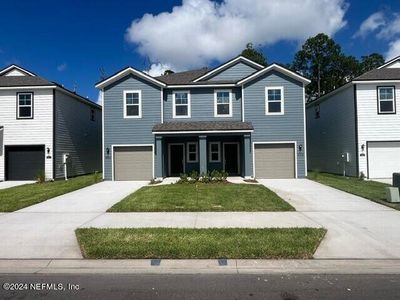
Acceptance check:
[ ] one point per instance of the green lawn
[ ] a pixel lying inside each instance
(123, 243)
(18, 197)
(371, 190)
(202, 197)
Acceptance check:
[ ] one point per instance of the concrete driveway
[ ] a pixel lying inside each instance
(357, 228)
(8, 184)
(46, 230)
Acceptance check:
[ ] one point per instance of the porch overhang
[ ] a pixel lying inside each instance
(203, 127)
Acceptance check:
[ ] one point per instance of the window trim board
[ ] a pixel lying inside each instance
(188, 152)
(216, 105)
(139, 116)
(378, 100)
(32, 106)
(210, 160)
(189, 105)
(282, 101)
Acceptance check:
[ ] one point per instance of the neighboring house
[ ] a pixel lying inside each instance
(240, 117)
(40, 121)
(356, 128)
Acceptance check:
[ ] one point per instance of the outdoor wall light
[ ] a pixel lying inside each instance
(48, 150)
(362, 147)
(300, 147)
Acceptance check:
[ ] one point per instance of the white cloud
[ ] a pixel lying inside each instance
(100, 98)
(62, 67)
(201, 31)
(394, 50)
(157, 69)
(372, 23)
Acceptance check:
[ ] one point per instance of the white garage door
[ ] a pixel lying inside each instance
(383, 159)
(133, 163)
(274, 161)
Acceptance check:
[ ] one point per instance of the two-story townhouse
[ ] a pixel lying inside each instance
(355, 129)
(240, 117)
(41, 122)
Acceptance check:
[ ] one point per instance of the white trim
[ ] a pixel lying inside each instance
(210, 160)
(393, 60)
(238, 154)
(277, 68)
(139, 116)
(282, 101)
(30, 87)
(376, 81)
(221, 85)
(128, 145)
(228, 64)
(169, 157)
(188, 152)
(18, 68)
(305, 133)
(386, 100)
(206, 131)
(189, 106)
(242, 103)
(102, 129)
(30, 106)
(216, 104)
(162, 105)
(125, 72)
(276, 142)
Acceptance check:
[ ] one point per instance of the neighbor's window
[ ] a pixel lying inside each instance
(181, 105)
(192, 153)
(25, 105)
(386, 100)
(92, 114)
(132, 104)
(274, 100)
(215, 152)
(317, 111)
(223, 104)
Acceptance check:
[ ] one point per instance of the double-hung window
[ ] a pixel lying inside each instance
(386, 100)
(181, 104)
(192, 152)
(25, 105)
(214, 152)
(132, 104)
(222, 103)
(274, 101)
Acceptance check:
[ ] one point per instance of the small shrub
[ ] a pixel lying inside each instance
(362, 176)
(96, 177)
(205, 177)
(40, 177)
(183, 178)
(194, 176)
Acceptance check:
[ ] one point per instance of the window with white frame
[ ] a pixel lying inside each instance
(274, 101)
(132, 104)
(181, 104)
(25, 105)
(192, 152)
(214, 152)
(386, 100)
(223, 103)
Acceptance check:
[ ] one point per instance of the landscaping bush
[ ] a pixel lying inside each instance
(97, 177)
(194, 176)
(40, 177)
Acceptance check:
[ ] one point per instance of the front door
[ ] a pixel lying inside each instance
(176, 159)
(231, 158)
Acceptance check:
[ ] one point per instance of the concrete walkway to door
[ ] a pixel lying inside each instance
(357, 228)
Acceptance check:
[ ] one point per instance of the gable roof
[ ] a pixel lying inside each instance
(124, 72)
(278, 68)
(15, 81)
(182, 77)
(228, 64)
(389, 62)
(16, 67)
(380, 74)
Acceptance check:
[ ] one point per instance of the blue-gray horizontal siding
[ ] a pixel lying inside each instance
(117, 129)
(202, 105)
(235, 72)
(276, 128)
(329, 136)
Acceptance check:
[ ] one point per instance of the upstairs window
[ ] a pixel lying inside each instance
(223, 103)
(215, 152)
(386, 100)
(92, 115)
(25, 105)
(132, 104)
(181, 104)
(274, 101)
(317, 111)
(192, 153)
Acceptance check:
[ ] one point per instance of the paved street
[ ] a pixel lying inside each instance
(282, 287)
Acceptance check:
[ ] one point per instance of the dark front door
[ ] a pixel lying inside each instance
(24, 162)
(231, 157)
(176, 159)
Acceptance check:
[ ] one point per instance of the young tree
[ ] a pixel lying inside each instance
(255, 55)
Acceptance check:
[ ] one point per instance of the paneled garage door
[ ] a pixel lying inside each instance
(274, 161)
(24, 162)
(133, 163)
(383, 159)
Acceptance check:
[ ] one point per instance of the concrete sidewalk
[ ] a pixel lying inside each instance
(199, 266)
(8, 184)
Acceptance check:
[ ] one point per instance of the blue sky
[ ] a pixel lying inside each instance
(69, 41)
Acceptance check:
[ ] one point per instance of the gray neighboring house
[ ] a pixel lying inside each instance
(355, 129)
(241, 117)
(40, 121)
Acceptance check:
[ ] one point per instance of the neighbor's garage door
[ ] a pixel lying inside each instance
(133, 163)
(274, 160)
(24, 162)
(383, 159)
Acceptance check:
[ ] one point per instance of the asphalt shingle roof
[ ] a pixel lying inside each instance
(11, 81)
(202, 126)
(381, 74)
(182, 77)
